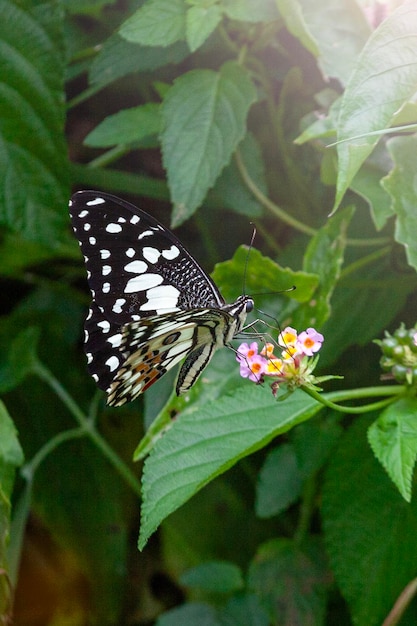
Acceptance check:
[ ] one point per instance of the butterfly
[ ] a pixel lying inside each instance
(152, 304)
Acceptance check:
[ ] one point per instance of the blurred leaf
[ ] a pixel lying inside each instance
(156, 23)
(393, 438)
(201, 21)
(384, 79)
(262, 274)
(33, 154)
(324, 257)
(127, 126)
(20, 360)
(247, 11)
(313, 442)
(189, 455)
(378, 296)
(244, 610)
(205, 119)
(290, 581)
(400, 184)
(191, 613)
(367, 184)
(11, 457)
(339, 31)
(279, 482)
(296, 24)
(364, 514)
(214, 576)
(230, 191)
(119, 57)
(89, 7)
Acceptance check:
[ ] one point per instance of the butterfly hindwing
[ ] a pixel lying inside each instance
(153, 305)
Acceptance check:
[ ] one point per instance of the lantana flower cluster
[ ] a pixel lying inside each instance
(294, 364)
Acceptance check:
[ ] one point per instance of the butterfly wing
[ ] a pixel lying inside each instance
(136, 269)
(153, 346)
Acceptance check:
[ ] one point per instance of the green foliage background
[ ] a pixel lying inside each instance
(211, 114)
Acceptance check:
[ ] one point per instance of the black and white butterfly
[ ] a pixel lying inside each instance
(153, 305)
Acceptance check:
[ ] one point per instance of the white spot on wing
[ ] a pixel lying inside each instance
(106, 288)
(130, 252)
(113, 228)
(104, 325)
(87, 226)
(117, 306)
(145, 233)
(112, 363)
(115, 340)
(137, 267)
(143, 282)
(151, 254)
(105, 254)
(161, 299)
(135, 219)
(170, 254)
(93, 241)
(95, 201)
(83, 213)
(106, 270)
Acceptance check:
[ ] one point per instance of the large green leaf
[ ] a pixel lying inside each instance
(204, 444)
(205, 118)
(369, 530)
(127, 126)
(33, 158)
(384, 79)
(400, 184)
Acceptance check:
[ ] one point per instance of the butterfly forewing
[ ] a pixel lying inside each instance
(148, 294)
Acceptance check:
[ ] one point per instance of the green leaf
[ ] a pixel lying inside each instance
(11, 457)
(262, 274)
(214, 576)
(369, 530)
(248, 11)
(400, 185)
(384, 79)
(290, 581)
(20, 360)
(205, 119)
(339, 31)
(127, 126)
(296, 24)
(156, 23)
(119, 57)
(33, 154)
(203, 445)
(201, 21)
(231, 192)
(367, 184)
(324, 257)
(244, 610)
(393, 439)
(191, 613)
(313, 443)
(279, 482)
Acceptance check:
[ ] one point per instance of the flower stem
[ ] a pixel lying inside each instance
(327, 399)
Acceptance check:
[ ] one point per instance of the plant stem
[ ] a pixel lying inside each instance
(392, 391)
(87, 428)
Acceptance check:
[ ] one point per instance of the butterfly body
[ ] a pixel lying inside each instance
(153, 305)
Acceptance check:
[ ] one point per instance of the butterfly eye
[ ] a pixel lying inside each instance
(249, 306)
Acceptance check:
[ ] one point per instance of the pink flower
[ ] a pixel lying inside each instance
(253, 368)
(309, 341)
(246, 352)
